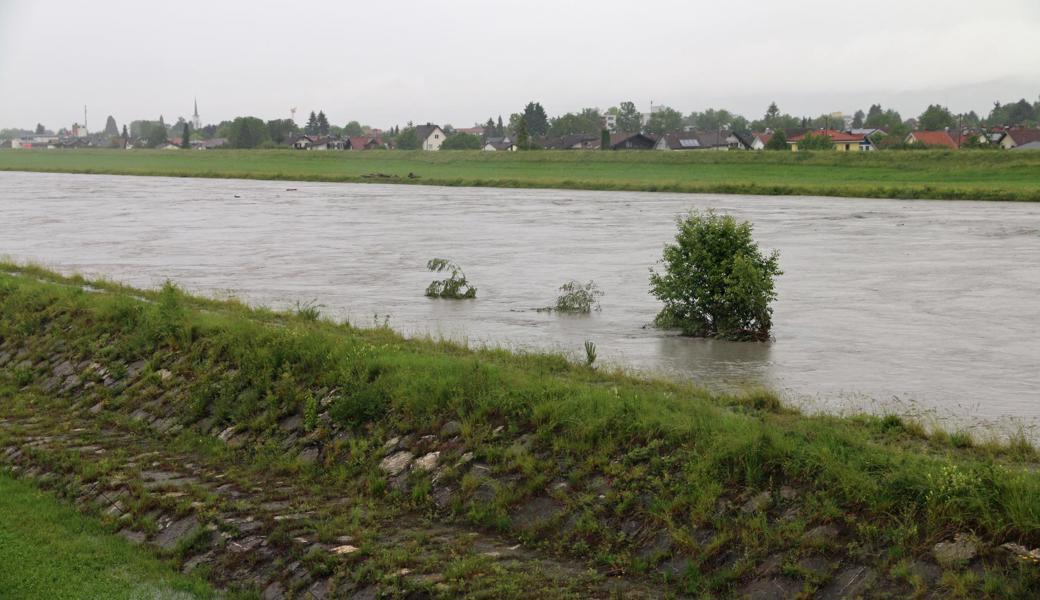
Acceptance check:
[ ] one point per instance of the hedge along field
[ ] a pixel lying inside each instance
(933, 174)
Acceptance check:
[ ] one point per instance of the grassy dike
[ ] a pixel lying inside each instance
(282, 456)
(962, 174)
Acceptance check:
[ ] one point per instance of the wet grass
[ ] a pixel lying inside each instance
(963, 174)
(672, 453)
(48, 550)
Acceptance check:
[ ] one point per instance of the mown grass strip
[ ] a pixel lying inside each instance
(959, 175)
(48, 550)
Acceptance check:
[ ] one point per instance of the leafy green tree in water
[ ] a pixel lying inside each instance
(628, 118)
(323, 123)
(716, 281)
(247, 132)
(407, 139)
(111, 129)
(777, 142)
(353, 129)
(461, 141)
(186, 136)
(815, 141)
(664, 120)
(936, 117)
(535, 118)
(455, 287)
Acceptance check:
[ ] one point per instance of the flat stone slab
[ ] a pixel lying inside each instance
(396, 462)
(176, 531)
(849, 584)
(775, 588)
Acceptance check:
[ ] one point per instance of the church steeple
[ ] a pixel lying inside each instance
(196, 122)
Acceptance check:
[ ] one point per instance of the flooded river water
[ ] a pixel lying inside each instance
(919, 306)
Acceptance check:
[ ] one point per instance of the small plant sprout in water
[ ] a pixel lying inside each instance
(455, 287)
(577, 297)
(590, 353)
(308, 311)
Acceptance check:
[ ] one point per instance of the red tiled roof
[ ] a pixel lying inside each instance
(836, 136)
(934, 138)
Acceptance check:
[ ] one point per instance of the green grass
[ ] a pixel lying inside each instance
(963, 174)
(48, 550)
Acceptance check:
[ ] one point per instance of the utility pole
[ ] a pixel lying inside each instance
(85, 118)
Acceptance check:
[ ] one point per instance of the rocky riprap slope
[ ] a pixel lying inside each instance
(305, 507)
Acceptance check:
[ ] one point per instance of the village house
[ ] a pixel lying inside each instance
(702, 140)
(364, 142)
(932, 139)
(500, 144)
(430, 136)
(843, 142)
(576, 141)
(1013, 138)
(632, 141)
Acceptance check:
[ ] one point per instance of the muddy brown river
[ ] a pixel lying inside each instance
(930, 308)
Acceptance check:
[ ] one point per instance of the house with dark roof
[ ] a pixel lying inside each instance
(932, 139)
(1013, 138)
(577, 141)
(500, 144)
(430, 136)
(701, 140)
(632, 141)
(843, 141)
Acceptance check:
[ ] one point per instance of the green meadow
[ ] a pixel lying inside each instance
(48, 550)
(933, 174)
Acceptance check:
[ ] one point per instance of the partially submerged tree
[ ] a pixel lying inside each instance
(455, 287)
(716, 281)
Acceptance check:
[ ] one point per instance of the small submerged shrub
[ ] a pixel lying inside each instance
(455, 287)
(577, 297)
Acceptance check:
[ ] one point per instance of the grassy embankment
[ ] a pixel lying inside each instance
(651, 482)
(971, 175)
(48, 550)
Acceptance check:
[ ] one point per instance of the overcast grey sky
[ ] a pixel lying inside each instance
(459, 61)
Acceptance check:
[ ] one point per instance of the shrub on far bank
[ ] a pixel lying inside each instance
(716, 281)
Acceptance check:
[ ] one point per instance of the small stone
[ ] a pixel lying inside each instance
(788, 493)
(308, 455)
(849, 584)
(823, 534)
(391, 444)
(451, 429)
(464, 459)
(273, 592)
(397, 462)
(961, 550)
(426, 463)
(164, 374)
(776, 588)
(177, 531)
(134, 537)
(758, 503)
(344, 549)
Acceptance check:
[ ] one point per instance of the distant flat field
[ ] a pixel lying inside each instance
(966, 175)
